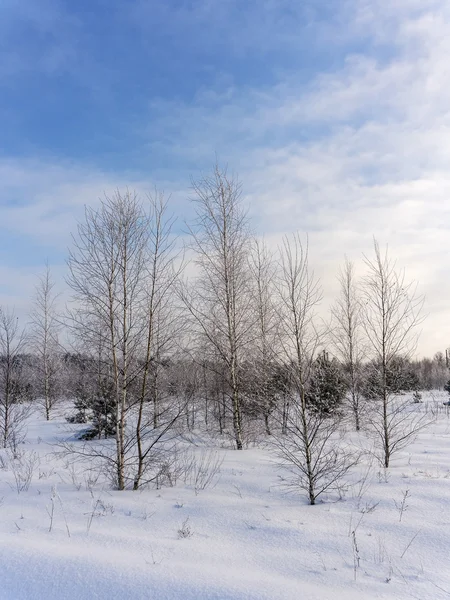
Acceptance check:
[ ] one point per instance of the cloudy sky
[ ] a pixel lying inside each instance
(334, 113)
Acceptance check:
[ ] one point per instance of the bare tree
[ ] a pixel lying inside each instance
(106, 266)
(44, 339)
(163, 326)
(219, 299)
(13, 391)
(347, 337)
(392, 313)
(264, 355)
(123, 269)
(309, 450)
(311, 454)
(299, 294)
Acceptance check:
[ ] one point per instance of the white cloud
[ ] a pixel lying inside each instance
(40, 205)
(360, 151)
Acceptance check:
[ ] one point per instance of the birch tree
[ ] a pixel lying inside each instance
(347, 337)
(13, 408)
(219, 300)
(308, 451)
(106, 265)
(392, 314)
(163, 327)
(44, 341)
(265, 358)
(122, 272)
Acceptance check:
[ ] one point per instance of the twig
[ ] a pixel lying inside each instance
(409, 544)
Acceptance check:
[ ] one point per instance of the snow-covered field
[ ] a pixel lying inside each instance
(70, 537)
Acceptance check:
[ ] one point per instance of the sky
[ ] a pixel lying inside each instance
(335, 115)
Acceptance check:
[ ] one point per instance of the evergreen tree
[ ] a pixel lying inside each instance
(94, 399)
(103, 407)
(400, 377)
(326, 389)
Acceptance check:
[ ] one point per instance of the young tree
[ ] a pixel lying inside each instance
(106, 266)
(400, 378)
(392, 313)
(347, 337)
(122, 272)
(163, 330)
(219, 299)
(13, 390)
(264, 354)
(44, 340)
(91, 385)
(299, 296)
(326, 388)
(308, 451)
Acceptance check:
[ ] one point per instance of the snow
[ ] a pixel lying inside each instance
(245, 537)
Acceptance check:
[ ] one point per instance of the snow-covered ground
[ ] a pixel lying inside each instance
(243, 536)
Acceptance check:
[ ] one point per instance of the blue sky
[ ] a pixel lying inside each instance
(334, 113)
(90, 81)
